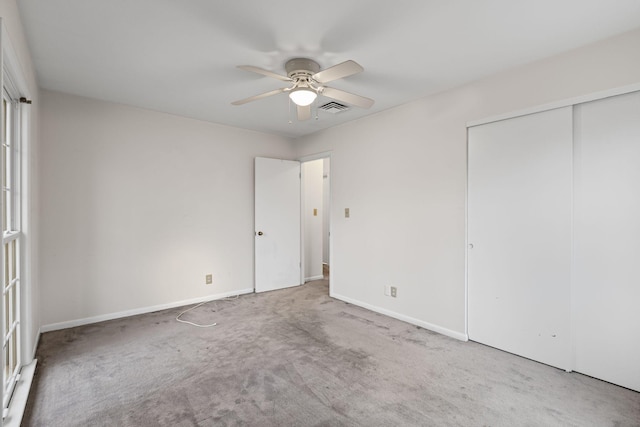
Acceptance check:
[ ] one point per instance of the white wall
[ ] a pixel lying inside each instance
(30, 280)
(402, 173)
(313, 197)
(138, 206)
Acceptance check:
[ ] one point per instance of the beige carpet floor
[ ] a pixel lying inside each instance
(299, 358)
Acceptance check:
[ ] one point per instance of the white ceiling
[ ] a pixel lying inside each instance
(180, 57)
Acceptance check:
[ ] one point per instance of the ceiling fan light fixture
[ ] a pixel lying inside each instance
(303, 96)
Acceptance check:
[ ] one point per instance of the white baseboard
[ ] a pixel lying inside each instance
(312, 278)
(136, 311)
(426, 325)
(35, 344)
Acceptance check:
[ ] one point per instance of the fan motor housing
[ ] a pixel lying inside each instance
(301, 67)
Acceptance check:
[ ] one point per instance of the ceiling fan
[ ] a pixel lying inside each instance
(307, 82)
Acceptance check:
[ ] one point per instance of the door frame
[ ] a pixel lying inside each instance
(567, 102)
(304, 159)
(538, 108)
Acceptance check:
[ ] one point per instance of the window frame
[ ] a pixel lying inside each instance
(11, 245)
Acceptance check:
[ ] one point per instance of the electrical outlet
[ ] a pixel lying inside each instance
(209, 279)
(394, 292)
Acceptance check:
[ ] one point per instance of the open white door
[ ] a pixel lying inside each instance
(277, 224)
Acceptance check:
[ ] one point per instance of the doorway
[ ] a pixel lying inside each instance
(316, 218)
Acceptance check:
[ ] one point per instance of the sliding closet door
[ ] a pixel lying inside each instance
(519, 233)
(607, 240)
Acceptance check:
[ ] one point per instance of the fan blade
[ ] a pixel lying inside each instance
(336, 72)
(256, 97)
(304, 113)
(349, 98)
(264, 72)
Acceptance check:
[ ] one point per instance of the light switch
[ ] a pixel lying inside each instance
(346, 212)
(315, 212)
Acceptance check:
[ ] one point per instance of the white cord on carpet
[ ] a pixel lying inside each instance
(198, 305)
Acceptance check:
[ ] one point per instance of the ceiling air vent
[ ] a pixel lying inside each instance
(333, 107)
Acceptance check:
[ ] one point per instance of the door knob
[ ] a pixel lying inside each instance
(260, 233)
